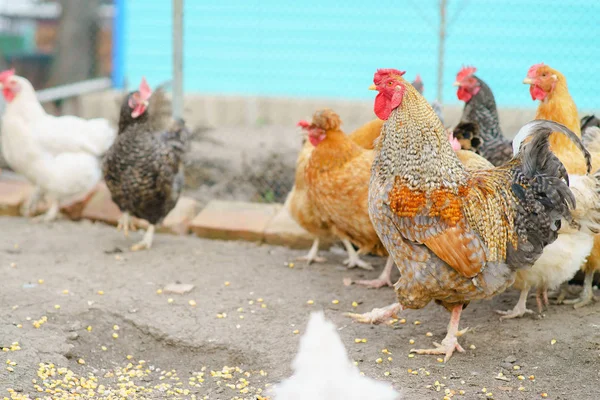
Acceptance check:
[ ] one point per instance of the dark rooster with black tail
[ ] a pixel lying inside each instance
(144, 167)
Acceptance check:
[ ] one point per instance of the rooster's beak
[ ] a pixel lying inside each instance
(457, 83)
(528, 81)
(373, 87)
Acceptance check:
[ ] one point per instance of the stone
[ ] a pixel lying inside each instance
(12, 195)
(179, 219)
(101, 207)
(178, 288)
(233, 220)
(283, 230)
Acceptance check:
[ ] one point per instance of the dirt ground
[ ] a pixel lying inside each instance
(180, 344)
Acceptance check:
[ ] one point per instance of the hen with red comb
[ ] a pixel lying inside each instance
(144, 167)
(480, 108)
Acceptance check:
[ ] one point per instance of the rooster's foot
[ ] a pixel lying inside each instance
(146, 242)
(30, 206)
(312, 254)
(126, 224)
(377, 315)
(357, 262)
(50, 215)
(383, 279)
(516, 312)
(447, 347)
(587, 294)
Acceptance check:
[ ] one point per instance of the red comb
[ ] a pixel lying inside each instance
(145, 91)
(303, 124)
(382, 73)
(465, 72)
(532, 72)
(4, 75)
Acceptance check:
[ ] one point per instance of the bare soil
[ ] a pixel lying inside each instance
(81, 258)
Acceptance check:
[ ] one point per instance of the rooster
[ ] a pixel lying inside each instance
(457, 235)
(480, 107)
(549, 86)
(437, 107)
(322, 370)
(60, 156)
(144, 167)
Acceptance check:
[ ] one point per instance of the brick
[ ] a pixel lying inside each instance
(13, 194)
(283, 230)
(101, 207)
(180, 218)
(232, 220)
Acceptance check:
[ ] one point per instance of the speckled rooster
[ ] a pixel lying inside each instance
(144, 167)
(457, 235)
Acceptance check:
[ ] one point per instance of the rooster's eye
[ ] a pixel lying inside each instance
(390, 83)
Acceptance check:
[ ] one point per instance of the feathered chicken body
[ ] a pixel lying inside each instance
(144, 168)
(337, 176)
(59, 155)
(549, 86)
(458, 236)
(480, 107)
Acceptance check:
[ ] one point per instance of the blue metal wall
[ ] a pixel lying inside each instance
(323, 48)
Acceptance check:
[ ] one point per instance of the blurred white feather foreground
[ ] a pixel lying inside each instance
(59, 155)
(323, 371)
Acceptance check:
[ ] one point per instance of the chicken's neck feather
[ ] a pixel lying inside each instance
(414, 147)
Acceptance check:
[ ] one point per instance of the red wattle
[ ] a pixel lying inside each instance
(537, 93)
(315, 140)
(8, 94)
(463, 94)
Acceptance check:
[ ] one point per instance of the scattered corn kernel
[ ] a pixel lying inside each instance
(429, 334)
(355, 362)
(521, 388)
(516, 367)
(10, 369)
(553, 341)
(379, 360)
(223, 315)
(440, 360)
(417, 322)
(40, 281)
(310, 302)
(354, 304)
(364, 340)
(385, 351)
(103, 348)
(115, 335)
(227, 283)
(89, 328)
(170, 300)
(291, 265)
(263, 305)
(13, 265)
(251, 302)
(531, 377)
(260, 300)
(129, 356)
(357, 340)
(390, 359)
(472, 347)
(192, 303)
(66, 291)
(387, 373)
(57, 306)
(158, 291)
(521, 377)
(484, 390)
(19, 326)
(490, 394)
(335, 301)
(116, 327)
(411, 355)
(295, 332)
(544, 395)
(100, 292)
(461, 392)
(411, 341)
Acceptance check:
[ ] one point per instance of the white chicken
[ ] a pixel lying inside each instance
(323, 371)
(58, 155)
(561, 259)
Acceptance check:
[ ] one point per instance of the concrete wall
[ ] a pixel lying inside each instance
(231, 111)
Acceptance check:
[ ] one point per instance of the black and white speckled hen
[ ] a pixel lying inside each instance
(480, 107)
(144, 167)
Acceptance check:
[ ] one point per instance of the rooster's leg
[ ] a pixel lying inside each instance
(377, 315)
(353, 258)
(146, 242)
(51, 214)
(312, 255)
(383, 279)
(520, 308)
(541, 298)
(30, 206)
(126, 224)
(450, 342)
(587, 294)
